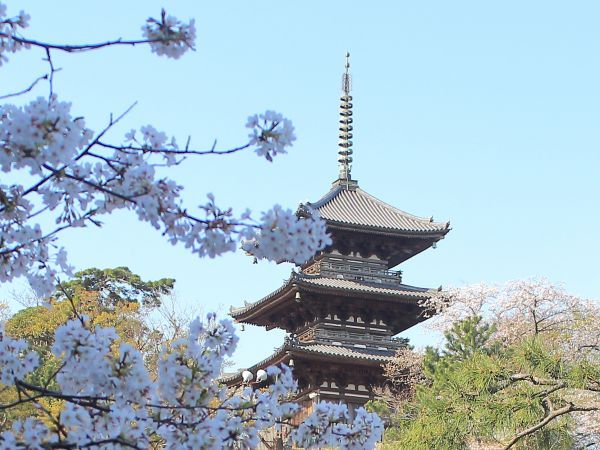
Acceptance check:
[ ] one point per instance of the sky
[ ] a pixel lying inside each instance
(482, 113)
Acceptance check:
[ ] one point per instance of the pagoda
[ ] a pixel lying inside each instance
(342, 308)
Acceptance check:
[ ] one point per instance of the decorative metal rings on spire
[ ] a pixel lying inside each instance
(345, 143)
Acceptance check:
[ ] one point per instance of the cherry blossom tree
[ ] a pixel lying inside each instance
(70, 175)
(76, 175)
(523, 308)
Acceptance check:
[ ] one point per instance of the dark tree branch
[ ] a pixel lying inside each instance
(27, 89)
(53, 70)
(547, 419)
(166, 151)
(77, 48)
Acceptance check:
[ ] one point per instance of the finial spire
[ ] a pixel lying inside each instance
(345, 144)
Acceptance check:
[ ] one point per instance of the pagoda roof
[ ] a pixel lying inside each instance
(347, 205)
(293, 348)
(400, 293)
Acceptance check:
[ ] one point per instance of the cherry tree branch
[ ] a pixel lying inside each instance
(185, 151)
(77, 48)
(27, 89)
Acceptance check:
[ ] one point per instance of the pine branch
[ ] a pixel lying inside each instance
(549, 418)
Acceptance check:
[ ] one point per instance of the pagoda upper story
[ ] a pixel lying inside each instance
(347, 295)
(362, 224)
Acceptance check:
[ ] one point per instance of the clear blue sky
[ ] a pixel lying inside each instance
(485, 114)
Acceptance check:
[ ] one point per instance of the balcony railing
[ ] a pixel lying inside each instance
(357, 271)
(349, 337)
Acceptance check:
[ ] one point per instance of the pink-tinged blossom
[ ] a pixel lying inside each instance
(519, 309)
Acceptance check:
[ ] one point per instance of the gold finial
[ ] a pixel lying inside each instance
(345, 144)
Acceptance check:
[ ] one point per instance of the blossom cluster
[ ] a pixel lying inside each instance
(41, 134)
(15, 359)
(362, 433)
(9, 27)
(519, 309)
(271, 134)
(75, 178)
(284, 236)
(110, 400)
(169, 36)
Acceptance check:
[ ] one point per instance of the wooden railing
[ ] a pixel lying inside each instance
(352, 337)
(356, 271)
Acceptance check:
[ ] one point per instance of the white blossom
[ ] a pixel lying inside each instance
(186, 407)
(271, 134)
(9, 27)
(71, 177)
(284, 236)
(15, 359)
(169, 36)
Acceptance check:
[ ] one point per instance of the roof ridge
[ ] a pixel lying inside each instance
(330, 195)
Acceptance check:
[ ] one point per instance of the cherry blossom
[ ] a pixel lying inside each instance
(71, 176)
(9, 27)
(110, 399)
(271, 133)
(285, 237)
(519, 309)
(169, 36)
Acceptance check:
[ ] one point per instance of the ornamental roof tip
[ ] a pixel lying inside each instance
(233, 311)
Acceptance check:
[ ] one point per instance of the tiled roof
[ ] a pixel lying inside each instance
(401, 291)
(350, 285)
(339, 351)
(344, 351)
(353, 206)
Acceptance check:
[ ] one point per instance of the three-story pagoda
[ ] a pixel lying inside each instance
(343, 308)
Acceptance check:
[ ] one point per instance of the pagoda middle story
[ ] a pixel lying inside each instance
(342, 308)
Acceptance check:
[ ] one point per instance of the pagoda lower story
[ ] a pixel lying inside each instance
(341, 313)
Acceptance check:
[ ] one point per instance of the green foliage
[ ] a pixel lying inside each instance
(464, 339)
(37, 324)
(479, 394)
(119, 284)
(110, 298)
(468, 337)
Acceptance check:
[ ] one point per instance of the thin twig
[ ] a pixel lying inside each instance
(27, 89)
